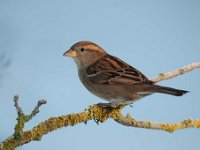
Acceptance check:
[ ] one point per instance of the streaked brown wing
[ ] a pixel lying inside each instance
(112, 70)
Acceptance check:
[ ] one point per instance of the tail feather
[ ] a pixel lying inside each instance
(169, 90)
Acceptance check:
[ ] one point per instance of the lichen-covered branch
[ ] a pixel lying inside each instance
(10, 143)
(99, 114)
(94, 112)
(169, 127)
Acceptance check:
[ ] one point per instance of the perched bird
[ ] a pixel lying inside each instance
(112, 79)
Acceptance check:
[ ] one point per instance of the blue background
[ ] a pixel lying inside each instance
(155, 36)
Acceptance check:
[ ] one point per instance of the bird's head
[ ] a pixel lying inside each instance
(85, 53)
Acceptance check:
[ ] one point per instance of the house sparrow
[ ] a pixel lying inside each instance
(112, 79)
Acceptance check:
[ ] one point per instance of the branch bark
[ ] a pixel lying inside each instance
(94, 112)
(169, 75)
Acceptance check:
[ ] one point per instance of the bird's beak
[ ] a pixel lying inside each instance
(70, 53)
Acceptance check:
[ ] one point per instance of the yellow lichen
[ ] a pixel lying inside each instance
(196, 123)
(167, 127)
(162, 75)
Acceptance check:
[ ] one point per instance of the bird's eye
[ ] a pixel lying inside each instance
(82, 49)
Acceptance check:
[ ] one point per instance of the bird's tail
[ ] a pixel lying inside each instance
(169, 90)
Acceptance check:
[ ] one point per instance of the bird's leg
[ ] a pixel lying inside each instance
(108, 105)
(105, 105)
(111, 105)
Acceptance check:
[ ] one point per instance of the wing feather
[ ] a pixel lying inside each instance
(112, 70)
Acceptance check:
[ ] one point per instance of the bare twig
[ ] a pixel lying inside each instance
(36, 109)
(169, 75)
(18, 108)
(20, 119)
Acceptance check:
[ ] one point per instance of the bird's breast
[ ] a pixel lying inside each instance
(99, 90)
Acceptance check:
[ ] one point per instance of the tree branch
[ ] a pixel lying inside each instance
(169, 75)
(169, 127)
(94, 112)
(35, 110)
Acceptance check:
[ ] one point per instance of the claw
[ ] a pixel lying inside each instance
(107, 105)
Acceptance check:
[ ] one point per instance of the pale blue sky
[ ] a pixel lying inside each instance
(154, 36)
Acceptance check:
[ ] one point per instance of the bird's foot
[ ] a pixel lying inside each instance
(112, 105)
(108, 105)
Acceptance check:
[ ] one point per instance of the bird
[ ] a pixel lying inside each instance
(112, 79)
